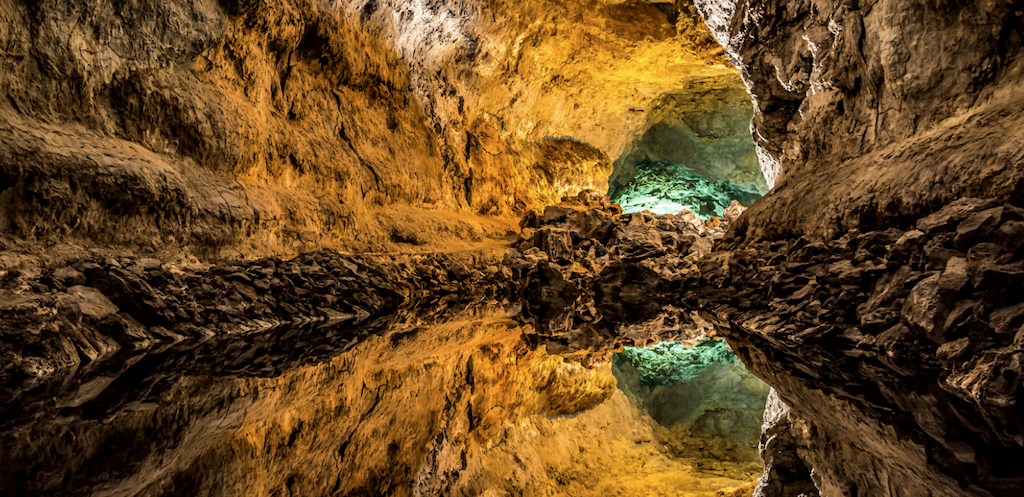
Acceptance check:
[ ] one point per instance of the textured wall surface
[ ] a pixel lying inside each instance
(869, 116)
(252, 127)
(873, 288)
(867, 111)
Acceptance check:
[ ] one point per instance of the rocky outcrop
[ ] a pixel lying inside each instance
(588, 273)
(899, 349)
(862, 108)
(785, 473)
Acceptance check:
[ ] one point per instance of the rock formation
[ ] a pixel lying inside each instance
(257, 128)
(862, 109)
(269, 247)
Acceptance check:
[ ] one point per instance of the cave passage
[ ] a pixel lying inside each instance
(665, 187)
(695, 152)
(702, 400)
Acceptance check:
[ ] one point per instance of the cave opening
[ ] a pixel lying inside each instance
(702, 402)
(695, 153)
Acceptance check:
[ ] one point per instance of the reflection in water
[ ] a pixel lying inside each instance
(703, 400)
(445, 398)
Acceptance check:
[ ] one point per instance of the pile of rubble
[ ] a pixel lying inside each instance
(593, 278)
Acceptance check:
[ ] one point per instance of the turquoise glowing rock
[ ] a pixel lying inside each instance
(669, 363)
(667, 188)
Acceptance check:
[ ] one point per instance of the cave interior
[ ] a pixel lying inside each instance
(702, 248)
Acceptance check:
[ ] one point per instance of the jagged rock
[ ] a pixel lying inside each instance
(92, 303)
(926, 315)
(785, 473)
(927, 305)
(953, 213)
(555, 242)
(70, 276)
(732, 213)
(977, 227)
(608, 266)
(1007, 320)
(1010, 237)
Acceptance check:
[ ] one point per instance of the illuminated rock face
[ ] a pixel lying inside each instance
(859, 123)
(707, 131)
(873, 287)
(446, 399)
(695, 153)
(703, 399)
(869, 117)
(247, 128)
(668, 188)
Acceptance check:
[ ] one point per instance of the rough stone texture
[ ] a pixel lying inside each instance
(444, 399)
(342, 374)
(703, 400)
(867, 288)
(785, 474)
(899, 352)
(250, 128)
(49, 328)
(708, 131)
(588, 274)
(863, 108)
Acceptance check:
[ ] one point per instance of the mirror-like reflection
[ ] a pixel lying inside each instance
(446, 397)
(437, 374)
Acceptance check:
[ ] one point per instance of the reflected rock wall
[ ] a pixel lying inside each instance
(704, 401)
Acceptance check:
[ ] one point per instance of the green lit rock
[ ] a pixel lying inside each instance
(667, 188)
(669, 363)
(701, 400)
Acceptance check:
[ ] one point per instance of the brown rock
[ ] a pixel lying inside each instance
(92, 303)
(70, 276)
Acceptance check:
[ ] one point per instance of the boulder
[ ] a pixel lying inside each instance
(92, 303)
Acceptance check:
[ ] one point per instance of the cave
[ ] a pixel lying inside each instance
(696, 153)
(712, 248)
(705, 404)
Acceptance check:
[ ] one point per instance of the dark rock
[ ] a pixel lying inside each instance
(953, 213)
(954, 277)
(554, 214)
(1007, 320)
(978, 227)
(961, 312)
(927, 306)
(92, 303)
(530, 220)
(126, 331)
(952, 354)
(1010, 237)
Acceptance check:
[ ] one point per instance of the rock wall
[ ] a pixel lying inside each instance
(863, 108)
(708, 131)
(899, 351)
(263, 127)
(879, 122)
(331, 374)
(703, 400)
